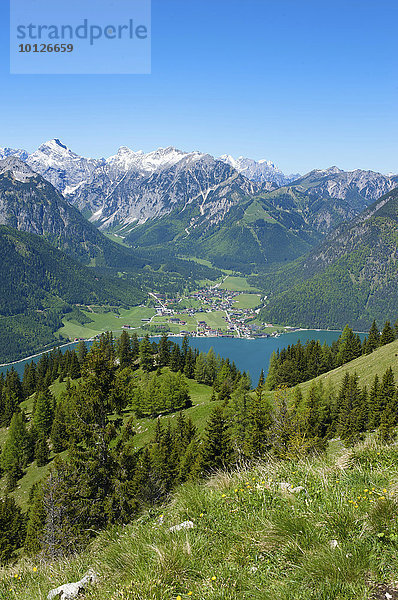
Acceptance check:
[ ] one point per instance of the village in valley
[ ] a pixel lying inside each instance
(210, 312)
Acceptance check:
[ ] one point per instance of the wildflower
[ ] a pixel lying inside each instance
(382, 497)
(178, 598)
(366, 490)
(384, 491)
(201, 515)
(190, 593)
(236, 489)
(213, 578)
(34, 569)
(223, 496)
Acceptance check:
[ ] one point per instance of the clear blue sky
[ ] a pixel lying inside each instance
(307, 84)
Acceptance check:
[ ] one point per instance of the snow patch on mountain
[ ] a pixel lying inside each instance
(260, 171)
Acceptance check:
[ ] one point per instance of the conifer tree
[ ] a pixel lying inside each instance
(373, 340)
(259, 422)
(81, 351)
(176, 359)
(74, 367)
(29, 379)
(42, 452)
(387, 335)
(146, 355)
(12, 529)
(59, 436)
(375, 409)
(349, 346)
(43, 413)
(388, 421)
(124, 352)
(217, 450)
(189, 367)
(36, 521)
(164, 350)
(17, 451)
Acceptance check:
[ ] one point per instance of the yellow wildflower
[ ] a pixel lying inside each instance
(213, 578)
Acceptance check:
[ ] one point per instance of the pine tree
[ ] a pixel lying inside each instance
(29, 379)
(146, 355)
(216, 450)
(36, 521)
(349, 346)
(135, 346)
(189, 367)
(124, 352)
(42, 452)
(259, 422)
(81, 351)
(387, 335)
(17, 450)
(373, 340)
(176, 359)
(164, 350)
(374, 408)
(59, 436)
(43, 413)
(388, 422)
(12, 529)
(74, 367)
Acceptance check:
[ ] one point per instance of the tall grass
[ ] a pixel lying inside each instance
(252, 537)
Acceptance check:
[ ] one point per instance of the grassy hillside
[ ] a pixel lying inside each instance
(366, 367)
(252, 538)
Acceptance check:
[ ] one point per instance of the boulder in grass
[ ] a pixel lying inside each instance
(183, 525)
(70, 591)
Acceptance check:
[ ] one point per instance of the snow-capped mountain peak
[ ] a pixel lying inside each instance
(260, 171)
(20, 153)
(59, 165)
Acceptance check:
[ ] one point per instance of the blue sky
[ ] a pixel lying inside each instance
(305, 84)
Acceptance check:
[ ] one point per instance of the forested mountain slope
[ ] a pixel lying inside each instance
(352, 277)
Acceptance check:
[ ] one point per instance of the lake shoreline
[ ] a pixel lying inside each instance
(177, 335)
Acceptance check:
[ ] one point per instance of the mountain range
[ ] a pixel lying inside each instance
(237, 213)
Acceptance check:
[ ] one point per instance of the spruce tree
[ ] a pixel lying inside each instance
(12, 529)
(373, 340)
(36, 521)
(164, 350)
(387, 335)
(58, 435)
(43, 413)
(217, 450)
(17, 451)
(81, 351)
(146, 355)
(124, 352)
(349, 346)
(42, 452)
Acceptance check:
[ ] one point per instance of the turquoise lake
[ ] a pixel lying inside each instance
(249, 355)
